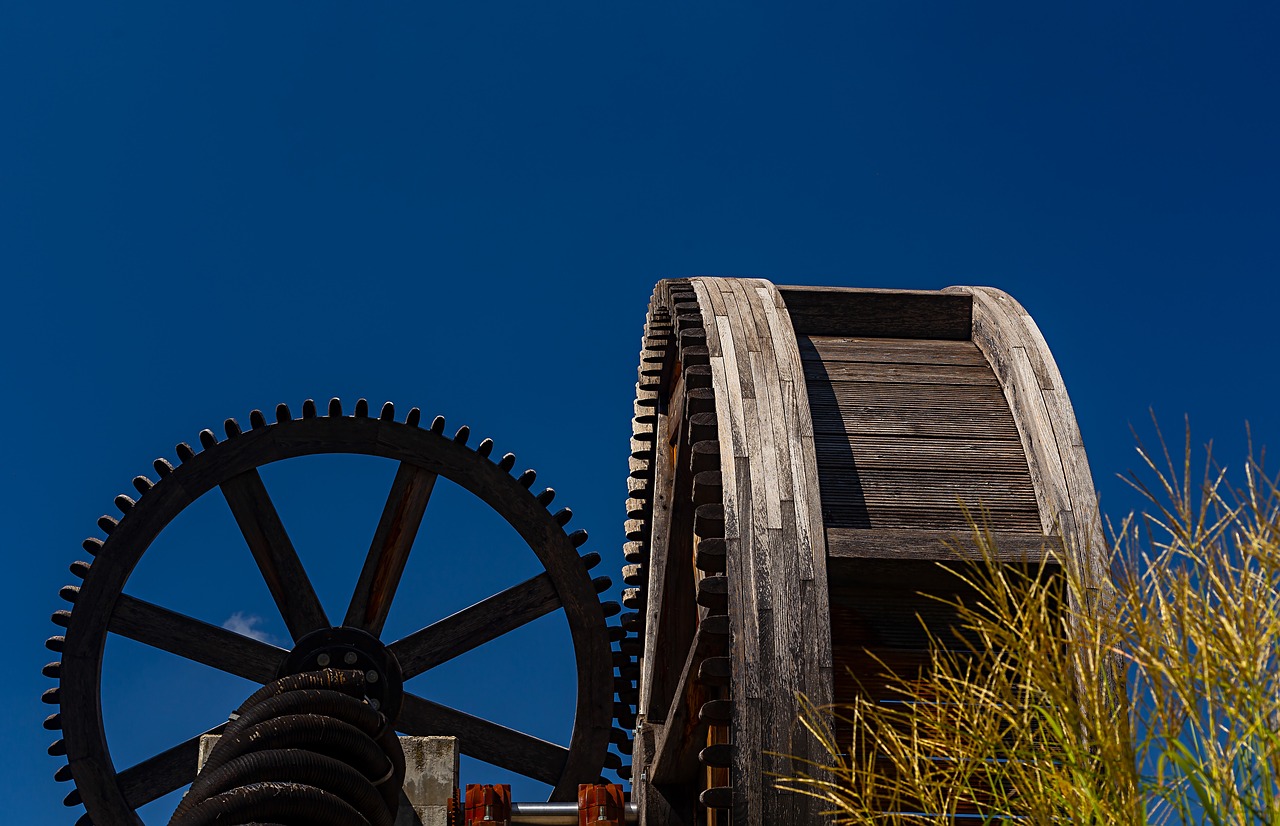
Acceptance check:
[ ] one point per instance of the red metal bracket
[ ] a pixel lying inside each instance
(488, 804)
(601, 805)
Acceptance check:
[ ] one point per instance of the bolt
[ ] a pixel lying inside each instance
(349, 658)
(322, 660)
(371, 676)
(373, 703)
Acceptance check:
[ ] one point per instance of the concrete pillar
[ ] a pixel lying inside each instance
(430, 778)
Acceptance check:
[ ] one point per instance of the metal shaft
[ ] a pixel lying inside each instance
(556, 814)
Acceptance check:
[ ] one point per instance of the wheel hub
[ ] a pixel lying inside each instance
(345, 648)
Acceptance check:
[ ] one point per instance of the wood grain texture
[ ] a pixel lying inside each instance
(1046, 422)
(389, 550)
(196, 640)
(775, 551)
(476, 625)
(835, 311)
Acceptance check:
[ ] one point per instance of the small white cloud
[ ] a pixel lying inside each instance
(246, 625)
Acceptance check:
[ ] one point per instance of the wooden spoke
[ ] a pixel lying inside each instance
(389, 551)
(471, 627)
(495, 744)
(166, 772)
(195, 640)
(274, 553)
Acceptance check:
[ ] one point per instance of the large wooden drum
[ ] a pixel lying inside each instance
(800, 458)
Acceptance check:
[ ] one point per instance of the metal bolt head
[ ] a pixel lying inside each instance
(349, 658)
(373, 703)
(322, 660)
(371, 676)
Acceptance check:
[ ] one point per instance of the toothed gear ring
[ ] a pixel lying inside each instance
(100, 605)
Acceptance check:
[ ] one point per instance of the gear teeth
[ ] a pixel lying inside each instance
(79, 568)
(526, 479)
(55, 643)
(437, 424)
(185, 452)
(634, 575)
(309, 409)
(52, 670)
(93, 545)
(58, 748)
(362, 409)
(53, 722)
(61, 618)
(257, 421)
(625, 773)
(125, 503)
(563, 516)
(163, 468)
(462, 435)
(232, 428)
(621, 739)
(590, 560)
(142, 484)
(335, 408)
(546, 497)
(415, 416)
(578, 538)
(50, 696)
(632, 598)
(507, 462)
(602, 584)
(282, 413)
(107, 524)
(611, 761)
(616, 633)
(485, 448)
(73, 799)
(611, 609)
(207, 439)
(388, 413)
(63, 774)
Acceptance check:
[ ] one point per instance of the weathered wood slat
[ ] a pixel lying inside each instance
(848, 543)
(957, 455)
(774, 549)
(866, 420)
(195, 640)
(389, 550)
(476, 625)
(277, 560)
(894, 488)
(913, 374)
(930, 517)
(835, 311)
(972, 398)
(890, 350)
(484, 740)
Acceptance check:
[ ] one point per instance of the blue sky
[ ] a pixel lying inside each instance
(206, 210)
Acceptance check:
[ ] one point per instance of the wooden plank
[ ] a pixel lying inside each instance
(890, 350)
(495, 744)
(867, 420)
(877, 486)
(779, 647)
(913, 374)
(196, 640)
(277, 560)
(928, 517)
(389, 550)
(937, 545)
(955, 455)
(834, 311)
(476, 625)
(960, 398)
(676, 749)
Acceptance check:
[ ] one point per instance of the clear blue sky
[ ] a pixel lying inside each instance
(464, 207)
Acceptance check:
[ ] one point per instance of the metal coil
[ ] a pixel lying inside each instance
(305, 749)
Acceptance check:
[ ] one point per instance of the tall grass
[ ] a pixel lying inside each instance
(1153, 697)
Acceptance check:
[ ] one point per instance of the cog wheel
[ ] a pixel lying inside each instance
(100, 606)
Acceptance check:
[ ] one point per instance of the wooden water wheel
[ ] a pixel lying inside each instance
(800, 456)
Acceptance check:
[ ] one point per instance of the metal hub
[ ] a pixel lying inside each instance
(351, 649)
